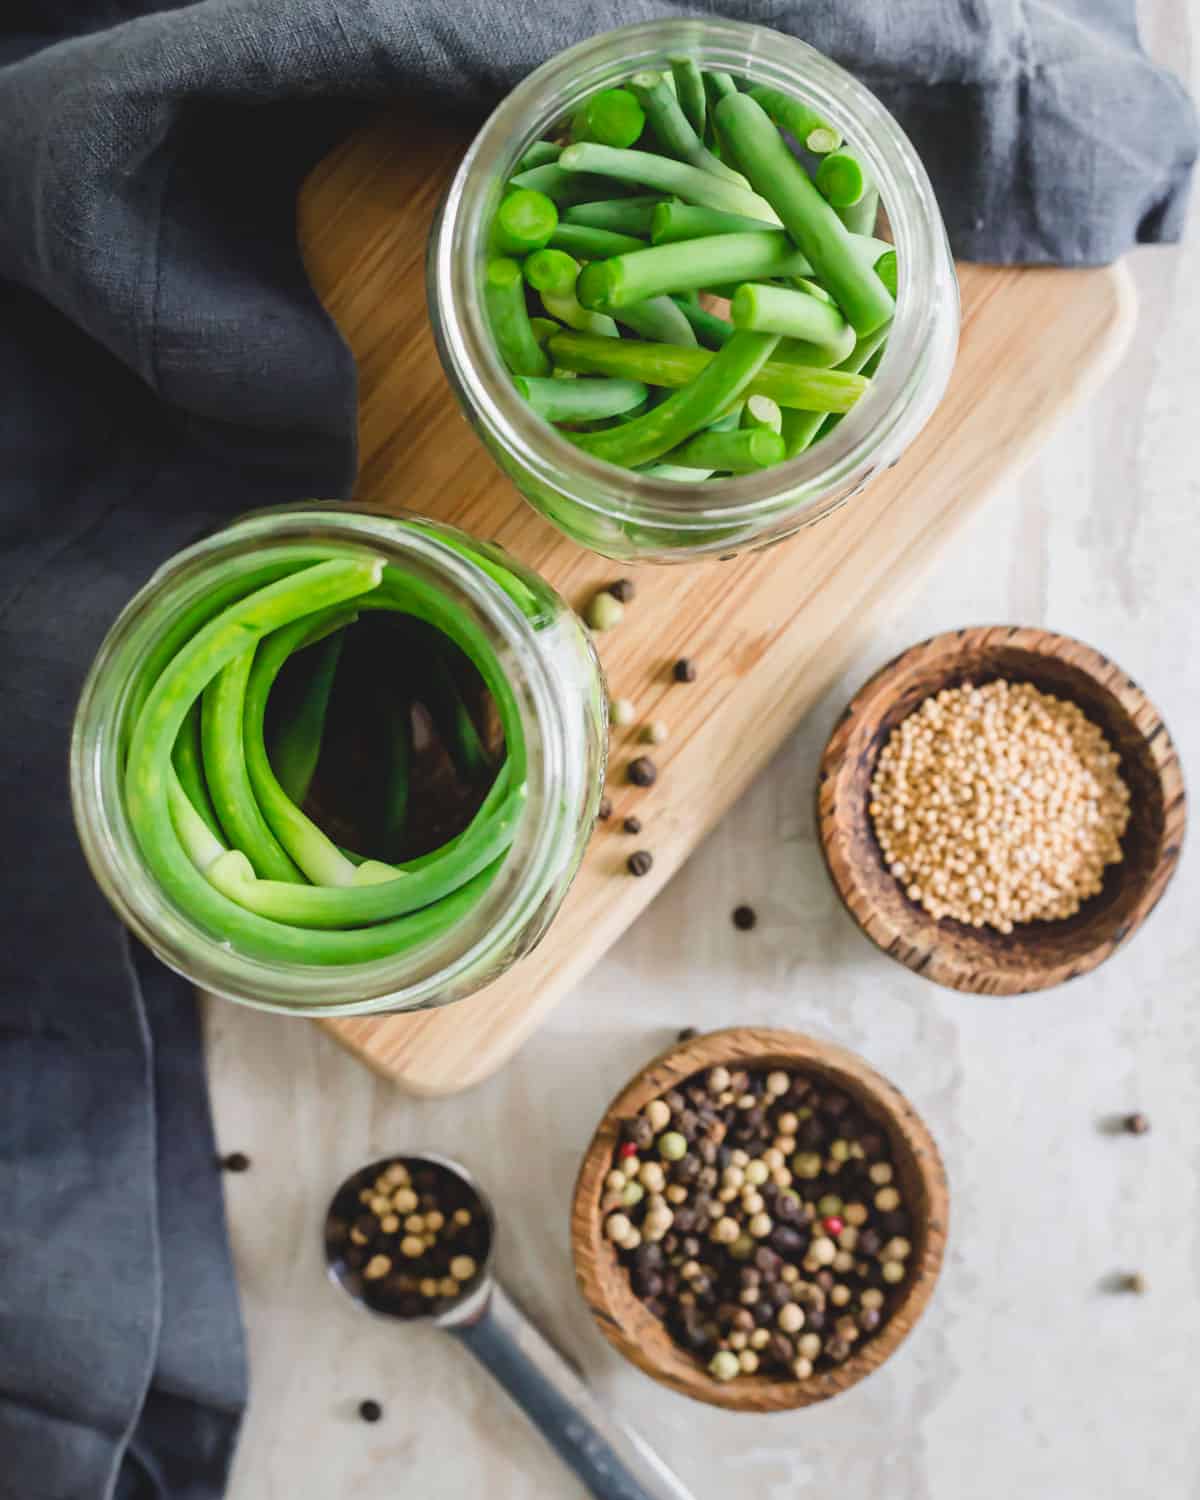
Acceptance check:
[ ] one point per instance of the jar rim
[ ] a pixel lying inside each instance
(458, 250)
(407, 981)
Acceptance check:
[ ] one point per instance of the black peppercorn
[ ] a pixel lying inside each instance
(685, 670)
(370, 1411)
(781, 1349)
(1137, 1124)
(604, 811)
(632, 825)
(236, 1161)
(623, 589)
(786, 1240)
(639, 862)
(642, 771)
(687, 1034)
(648, 1283)
(744, 918)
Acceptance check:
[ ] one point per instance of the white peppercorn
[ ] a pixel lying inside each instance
(724, 1365)
(652, 1177)
(822, 1251)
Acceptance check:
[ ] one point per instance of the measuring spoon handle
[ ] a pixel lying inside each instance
(608, 1457)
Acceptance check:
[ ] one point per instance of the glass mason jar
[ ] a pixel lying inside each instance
(626, 515)
(545, 655)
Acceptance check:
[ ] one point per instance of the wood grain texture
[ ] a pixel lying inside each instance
(770, 631)
(1035, 955)
(604, 1282)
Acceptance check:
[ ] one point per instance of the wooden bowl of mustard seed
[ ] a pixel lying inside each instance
(759, 1220)
(1000, 809)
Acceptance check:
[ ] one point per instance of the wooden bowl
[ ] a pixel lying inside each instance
(604, 1282)
(1035, 955)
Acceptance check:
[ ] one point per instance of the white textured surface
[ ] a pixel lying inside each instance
(1024, 1379)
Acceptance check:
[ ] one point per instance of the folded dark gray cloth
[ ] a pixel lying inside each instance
(165, 365)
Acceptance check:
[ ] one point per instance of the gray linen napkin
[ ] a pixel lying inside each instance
(165, 365)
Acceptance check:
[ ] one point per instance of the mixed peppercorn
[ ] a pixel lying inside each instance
(760, 1217)
(408, 1237)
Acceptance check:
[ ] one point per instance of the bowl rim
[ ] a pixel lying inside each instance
(605, 1288)
(852, 739)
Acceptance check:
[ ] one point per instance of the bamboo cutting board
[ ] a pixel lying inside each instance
(770, 632)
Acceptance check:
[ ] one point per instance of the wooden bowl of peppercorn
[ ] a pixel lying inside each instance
(638, 1296)
(1039, 952)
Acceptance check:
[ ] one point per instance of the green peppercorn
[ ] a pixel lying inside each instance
(631, 1193)
(604, 611)
(724, 1365)
(672, 1146)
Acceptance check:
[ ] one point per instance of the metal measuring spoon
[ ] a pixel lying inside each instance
(611, 1460)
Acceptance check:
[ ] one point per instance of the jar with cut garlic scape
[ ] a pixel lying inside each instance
(334, 762)
(627, 513)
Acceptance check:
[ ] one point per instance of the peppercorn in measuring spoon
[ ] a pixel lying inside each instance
(412, 1238)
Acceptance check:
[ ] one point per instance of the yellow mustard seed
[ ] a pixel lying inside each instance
(999, 804)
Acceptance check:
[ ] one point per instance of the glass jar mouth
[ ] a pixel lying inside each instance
(399, 982)
(551, 93)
